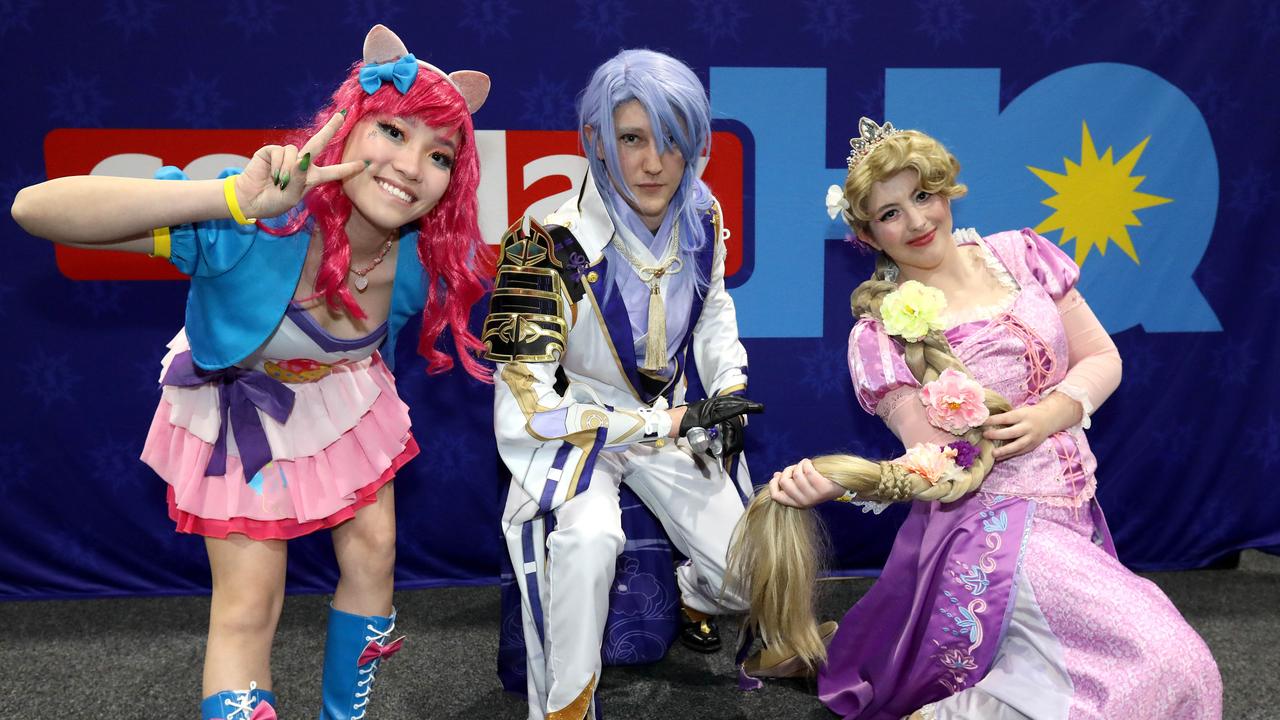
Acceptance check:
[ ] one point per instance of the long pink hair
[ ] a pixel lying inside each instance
(449, 243)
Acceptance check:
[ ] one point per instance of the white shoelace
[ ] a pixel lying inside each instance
(380, 637)
(242, 705)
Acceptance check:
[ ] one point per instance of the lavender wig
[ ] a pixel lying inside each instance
(679, 112)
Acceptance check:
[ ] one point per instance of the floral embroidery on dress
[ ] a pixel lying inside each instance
(965, 615)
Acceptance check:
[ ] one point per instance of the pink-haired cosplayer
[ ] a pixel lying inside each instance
(279, 414)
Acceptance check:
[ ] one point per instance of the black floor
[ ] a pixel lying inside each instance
(124, 659)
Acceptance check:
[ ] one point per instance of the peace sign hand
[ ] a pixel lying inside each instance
(278, 176)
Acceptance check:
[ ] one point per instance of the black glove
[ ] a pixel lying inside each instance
(713, 411)
(721, 419)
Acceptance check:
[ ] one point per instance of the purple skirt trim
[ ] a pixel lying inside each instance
(931, 624)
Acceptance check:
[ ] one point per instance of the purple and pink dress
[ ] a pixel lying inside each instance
(1010, 603)
(343, 438)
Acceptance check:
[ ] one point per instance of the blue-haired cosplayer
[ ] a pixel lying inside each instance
(594, 319)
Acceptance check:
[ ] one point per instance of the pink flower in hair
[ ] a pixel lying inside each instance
(932, 462)
(954, 402)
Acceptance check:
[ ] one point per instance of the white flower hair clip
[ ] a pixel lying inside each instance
(837, 204)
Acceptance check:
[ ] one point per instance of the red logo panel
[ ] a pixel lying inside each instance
(79, 152)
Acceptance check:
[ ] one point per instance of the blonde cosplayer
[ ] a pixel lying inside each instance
(774, 560)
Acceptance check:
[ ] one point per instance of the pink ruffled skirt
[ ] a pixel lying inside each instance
(346, 437)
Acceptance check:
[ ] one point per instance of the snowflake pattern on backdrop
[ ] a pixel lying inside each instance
(131, 18)
(253, 17)
(1266, 20)
(14, 15)
(870, 103)
(197, 101)
(307, 96)
(943, 21)
(488, 19)
(771, 453)
(602, 20)
(17, 177)
(1219, 102)
(77, 100)
(1055, 20)
(52, 379)
(548, 105)
(1251, 192)
(114, 465)
(822, 369)
(1143, 365)
(1264, 446)
(829, 22)
(450, 453)
(1165, 19)
(1234, 361)
(718, 20)
(363, 14)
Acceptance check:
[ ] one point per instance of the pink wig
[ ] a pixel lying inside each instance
(449, 243)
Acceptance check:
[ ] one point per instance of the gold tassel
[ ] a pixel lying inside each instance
(655, 347)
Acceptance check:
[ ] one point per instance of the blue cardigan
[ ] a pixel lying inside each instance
(242, 280)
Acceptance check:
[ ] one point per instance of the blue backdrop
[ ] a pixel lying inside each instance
(1137, 133)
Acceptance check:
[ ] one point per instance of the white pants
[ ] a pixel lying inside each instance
(565, 581)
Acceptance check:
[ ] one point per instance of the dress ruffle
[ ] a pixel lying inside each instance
(299, 492)
(323, 410)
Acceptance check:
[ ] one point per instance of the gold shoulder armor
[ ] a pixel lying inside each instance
(526, 312)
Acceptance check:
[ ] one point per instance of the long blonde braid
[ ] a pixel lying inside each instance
(774, 559)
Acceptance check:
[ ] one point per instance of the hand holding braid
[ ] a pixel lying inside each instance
(773, 560)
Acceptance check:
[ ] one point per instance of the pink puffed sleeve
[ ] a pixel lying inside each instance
(885, 386)
(877, 368)
(1051, 267)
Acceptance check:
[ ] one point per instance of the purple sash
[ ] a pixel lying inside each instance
(241, 393)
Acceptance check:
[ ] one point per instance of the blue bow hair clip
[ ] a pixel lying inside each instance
(400, 72)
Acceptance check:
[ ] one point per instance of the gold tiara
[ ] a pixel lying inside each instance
(869, 135)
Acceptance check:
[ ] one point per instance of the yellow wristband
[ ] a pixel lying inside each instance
(229, 192)
(160, 236)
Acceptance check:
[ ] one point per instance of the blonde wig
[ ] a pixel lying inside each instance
(912, 149)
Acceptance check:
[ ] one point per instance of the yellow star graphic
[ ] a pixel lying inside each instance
(1096, 199)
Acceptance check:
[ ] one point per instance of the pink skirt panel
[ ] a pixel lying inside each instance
(1128, 650)
(286, 529)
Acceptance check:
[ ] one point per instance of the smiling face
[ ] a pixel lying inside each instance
(652, 177)
(911, 225)
(409, 167)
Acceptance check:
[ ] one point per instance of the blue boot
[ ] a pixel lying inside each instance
(353, 651)
(251, 704)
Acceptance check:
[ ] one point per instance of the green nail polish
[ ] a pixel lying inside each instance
(305, 162)
(284, 181)
(275, 178)
(343, 112)
(367, 163)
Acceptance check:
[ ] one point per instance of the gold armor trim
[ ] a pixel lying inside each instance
(526, 321)
(576, 710)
